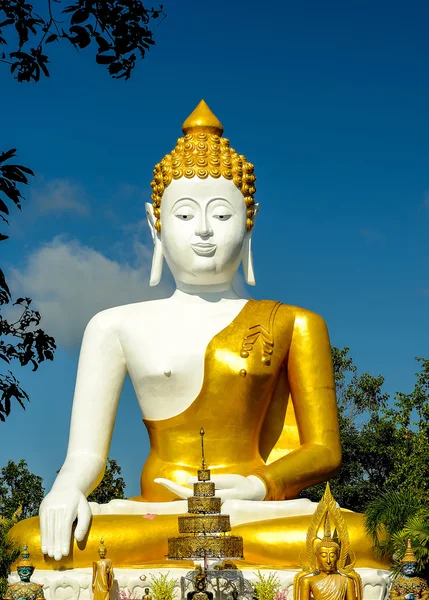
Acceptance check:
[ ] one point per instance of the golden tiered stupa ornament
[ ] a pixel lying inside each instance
(203, 529)
(329, 572)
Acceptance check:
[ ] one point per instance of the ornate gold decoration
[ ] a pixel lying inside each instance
(25, 561)
(265, 335)
(328, 512)
(203, 475)
(201, 527)
(203, 152)
(409, 556)
(198, 504)
(184, 548)
(205, 523)
(204, 488)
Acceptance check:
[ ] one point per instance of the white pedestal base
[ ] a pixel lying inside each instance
(75, 584)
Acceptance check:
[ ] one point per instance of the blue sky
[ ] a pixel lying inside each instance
(329, 100)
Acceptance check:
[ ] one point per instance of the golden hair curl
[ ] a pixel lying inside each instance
(200, 153)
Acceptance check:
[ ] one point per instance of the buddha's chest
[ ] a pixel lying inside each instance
(165, 356)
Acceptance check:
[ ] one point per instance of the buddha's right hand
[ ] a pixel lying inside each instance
(57, 513)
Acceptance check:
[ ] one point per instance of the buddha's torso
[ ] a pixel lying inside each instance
(190, 370)
(164, 345)
(330, 587)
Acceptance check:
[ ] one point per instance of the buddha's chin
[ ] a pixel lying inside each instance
(207, 271)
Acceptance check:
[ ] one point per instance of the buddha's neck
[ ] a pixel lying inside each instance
(201, 294)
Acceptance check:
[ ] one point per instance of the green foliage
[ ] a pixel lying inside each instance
(385, 441)
(387, 515)
(19, 490)
(163, 586)
(112, 485)
(267, 586)
(392, 519)
(416, 529)
(9, 550)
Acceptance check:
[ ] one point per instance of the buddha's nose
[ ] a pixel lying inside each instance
(203, 228)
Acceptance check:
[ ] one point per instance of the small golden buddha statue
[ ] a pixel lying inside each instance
(147, 595)
(408, 586)
(102, 574)
(24, 589)
(200, 592)
(329, 574)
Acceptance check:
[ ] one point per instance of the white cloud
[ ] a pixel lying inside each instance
(61, 195)
(69, 283)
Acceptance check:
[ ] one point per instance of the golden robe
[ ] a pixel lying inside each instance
(267, 405)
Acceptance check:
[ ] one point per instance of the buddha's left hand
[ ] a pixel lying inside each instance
(228, 487)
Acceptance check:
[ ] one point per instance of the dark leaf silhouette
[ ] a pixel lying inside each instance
(120, 26)
(116, 29)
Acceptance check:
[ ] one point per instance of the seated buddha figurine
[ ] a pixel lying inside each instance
(257, 375)
(200, 592)
(329, 574)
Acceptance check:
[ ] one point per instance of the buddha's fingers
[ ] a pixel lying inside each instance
(179, 490)
(66, 532)
(83, 519)
(59, 527)
(51, 531)
(228, 481)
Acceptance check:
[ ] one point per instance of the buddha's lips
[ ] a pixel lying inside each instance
(204, 249)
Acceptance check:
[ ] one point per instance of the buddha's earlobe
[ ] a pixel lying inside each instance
(247, 260)
(247, 256)
(158, 257)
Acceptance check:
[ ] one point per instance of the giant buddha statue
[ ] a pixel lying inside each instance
(256, 374)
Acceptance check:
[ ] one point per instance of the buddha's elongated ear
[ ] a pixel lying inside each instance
(158, 257)
(247, 256)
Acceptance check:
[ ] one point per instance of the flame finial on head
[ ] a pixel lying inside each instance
(202, 120)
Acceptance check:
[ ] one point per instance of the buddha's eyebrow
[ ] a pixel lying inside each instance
(222, 200)
(184, 199)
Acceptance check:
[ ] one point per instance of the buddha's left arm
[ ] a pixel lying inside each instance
(351, 590)
(311, 381)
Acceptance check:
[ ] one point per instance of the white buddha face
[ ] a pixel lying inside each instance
(203, 229)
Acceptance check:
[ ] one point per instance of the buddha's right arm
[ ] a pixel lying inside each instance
(99, 381)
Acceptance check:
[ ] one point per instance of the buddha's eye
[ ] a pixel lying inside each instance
(184, 214)
(221, 216)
